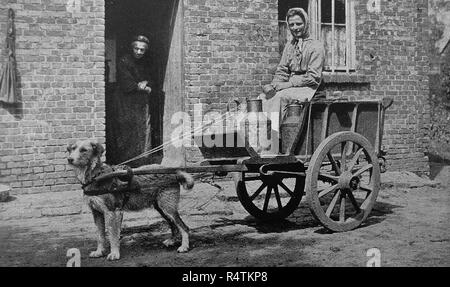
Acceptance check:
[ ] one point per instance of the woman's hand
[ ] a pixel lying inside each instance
(142, 85)
(267, 88)
(269, 91)
(283, 85)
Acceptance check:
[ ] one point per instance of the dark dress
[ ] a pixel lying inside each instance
(129, 131)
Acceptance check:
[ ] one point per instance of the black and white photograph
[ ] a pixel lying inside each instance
(224, 133)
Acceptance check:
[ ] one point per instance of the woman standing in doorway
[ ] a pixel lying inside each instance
(129, 134)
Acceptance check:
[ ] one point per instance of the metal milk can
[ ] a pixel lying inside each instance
(290, 125)
(257, 126)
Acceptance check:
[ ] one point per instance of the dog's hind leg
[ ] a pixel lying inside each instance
(174, 229)
(168, 203)
(113, 220)
(184, 230)
(99, 221)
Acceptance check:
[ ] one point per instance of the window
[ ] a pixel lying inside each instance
(332, 22)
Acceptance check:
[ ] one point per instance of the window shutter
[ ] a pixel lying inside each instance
(314, 19)
(351, 26)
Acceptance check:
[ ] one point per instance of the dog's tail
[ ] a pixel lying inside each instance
(185, 179)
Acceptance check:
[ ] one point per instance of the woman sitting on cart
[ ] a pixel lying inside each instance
(299, 72)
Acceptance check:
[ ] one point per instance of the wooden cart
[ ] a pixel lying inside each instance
(334, 156)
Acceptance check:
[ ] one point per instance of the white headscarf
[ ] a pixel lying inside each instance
(304, 15)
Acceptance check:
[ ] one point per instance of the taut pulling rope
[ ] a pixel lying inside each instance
(186, 135)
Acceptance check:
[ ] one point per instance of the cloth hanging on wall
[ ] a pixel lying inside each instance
(8, 82)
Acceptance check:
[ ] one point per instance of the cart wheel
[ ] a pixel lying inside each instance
(342, 181)
(269, 197)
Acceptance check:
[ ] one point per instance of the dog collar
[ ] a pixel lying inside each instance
(99, 171)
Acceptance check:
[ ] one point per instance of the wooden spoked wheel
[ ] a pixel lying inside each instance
(342, 181)
(269, 197)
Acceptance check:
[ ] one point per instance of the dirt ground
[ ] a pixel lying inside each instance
(410, 227)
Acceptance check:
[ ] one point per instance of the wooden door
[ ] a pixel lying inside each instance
(174, 87)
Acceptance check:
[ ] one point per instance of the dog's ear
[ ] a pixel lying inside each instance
(70, 147)
(97, 148)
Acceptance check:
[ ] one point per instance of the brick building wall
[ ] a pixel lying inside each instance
(393, 57)
(60, 63)
(232, 50)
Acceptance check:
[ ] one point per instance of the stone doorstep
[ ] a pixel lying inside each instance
(61, 211)
(405, 179)
(4, 192)
(443, 176)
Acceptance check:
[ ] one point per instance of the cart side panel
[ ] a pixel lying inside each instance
(325, 119)
(367, 122)
(232, 145)
(340, 119)
(331, 117)
(310, 137)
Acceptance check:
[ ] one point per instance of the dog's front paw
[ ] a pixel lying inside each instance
(114, 255)
(183, 249)
(169, 242)
(97, 253)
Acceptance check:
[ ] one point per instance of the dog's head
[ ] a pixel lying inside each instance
(84, 153)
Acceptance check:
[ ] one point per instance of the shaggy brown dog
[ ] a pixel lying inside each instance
(134, 193)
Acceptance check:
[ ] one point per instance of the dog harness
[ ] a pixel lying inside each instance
(123, 185)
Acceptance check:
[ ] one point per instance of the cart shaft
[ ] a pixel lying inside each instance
(172, 170)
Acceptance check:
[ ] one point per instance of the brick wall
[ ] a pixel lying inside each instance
(392, 55)
(397, 39)
(60, 58)
(231, 50)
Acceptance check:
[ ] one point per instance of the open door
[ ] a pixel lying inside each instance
(161, 21)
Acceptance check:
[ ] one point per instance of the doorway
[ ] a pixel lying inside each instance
(156, 19)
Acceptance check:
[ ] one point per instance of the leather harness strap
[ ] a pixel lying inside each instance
(94, 188)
